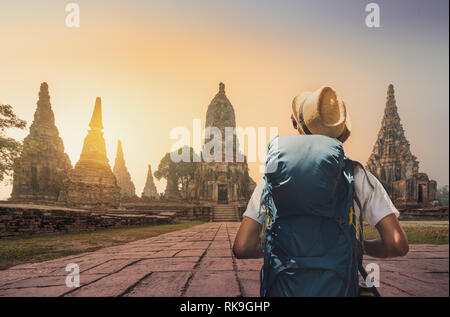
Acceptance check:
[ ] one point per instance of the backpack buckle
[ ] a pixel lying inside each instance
(269, 224)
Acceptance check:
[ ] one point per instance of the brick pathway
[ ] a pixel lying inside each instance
(198, 262)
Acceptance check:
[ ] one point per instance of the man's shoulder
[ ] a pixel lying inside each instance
(360, 173)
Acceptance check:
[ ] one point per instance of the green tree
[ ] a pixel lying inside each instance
(166, 166)
(442, 195)
(185, 171)
(9, 148)
(182, 171)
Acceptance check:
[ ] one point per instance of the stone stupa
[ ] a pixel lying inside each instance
(127, 189)
(149, 191)
(91, 183)
(43, 165)
(393, 163)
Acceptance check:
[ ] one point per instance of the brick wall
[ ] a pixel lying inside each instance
(184, 211)
(203, 213)
(20, 220)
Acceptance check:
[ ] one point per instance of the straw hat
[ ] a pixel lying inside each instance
(322, 112)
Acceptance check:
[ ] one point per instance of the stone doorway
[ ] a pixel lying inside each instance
(222, 194)
(420, 194)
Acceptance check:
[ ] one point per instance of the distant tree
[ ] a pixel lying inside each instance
(185, 171)
(166, 167)
(442, 195)
(182, 171)
(9, 148)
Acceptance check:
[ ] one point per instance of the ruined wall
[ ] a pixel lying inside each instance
(182, 211)
(203, 213)
(20, 220)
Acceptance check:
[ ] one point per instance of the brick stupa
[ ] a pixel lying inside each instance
(127, 189)
(149, 191)
(91, 183)
(40, 170)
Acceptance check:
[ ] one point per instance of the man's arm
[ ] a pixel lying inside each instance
(392, 242)
(247, 244)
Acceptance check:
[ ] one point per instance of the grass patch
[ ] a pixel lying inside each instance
(38, 248)
(418, 232)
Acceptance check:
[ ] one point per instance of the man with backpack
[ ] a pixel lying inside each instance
(309, 204)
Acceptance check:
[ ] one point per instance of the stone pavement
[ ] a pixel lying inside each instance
(199, 262)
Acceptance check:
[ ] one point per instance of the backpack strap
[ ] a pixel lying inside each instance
(360, 219)
(348, 172)
(356, 163)
(360, 207)
(372, 290)
(268, 204)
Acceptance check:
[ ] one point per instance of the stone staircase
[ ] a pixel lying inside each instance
(225, 213)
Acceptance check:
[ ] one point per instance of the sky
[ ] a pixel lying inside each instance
(157, 65)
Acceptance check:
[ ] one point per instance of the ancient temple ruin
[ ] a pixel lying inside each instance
(223, 179)
(172, 192)
(91, 183)
(43, 164)
(149, 191)
(394, 164)
(123, 177)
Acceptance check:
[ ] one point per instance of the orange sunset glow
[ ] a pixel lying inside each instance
(157, 67)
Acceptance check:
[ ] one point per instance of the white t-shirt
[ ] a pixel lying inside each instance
(375, 203)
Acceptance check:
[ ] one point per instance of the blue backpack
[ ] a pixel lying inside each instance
(311, 244)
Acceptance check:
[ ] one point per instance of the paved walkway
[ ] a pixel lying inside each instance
(199, 262)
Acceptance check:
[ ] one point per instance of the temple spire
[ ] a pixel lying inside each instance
(96, 120)
(119, 155)
(390, 90)
(390, 100)
(391, 157)
(149, 191)
(44, 114)
(221, 88)
(43, 91)
(127, 189)
(94, 147)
